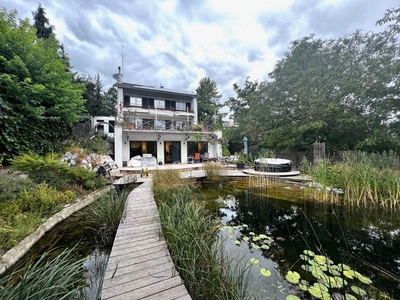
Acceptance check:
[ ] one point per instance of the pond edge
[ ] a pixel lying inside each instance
(13, 255)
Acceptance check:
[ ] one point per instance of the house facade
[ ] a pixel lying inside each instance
(158, 122)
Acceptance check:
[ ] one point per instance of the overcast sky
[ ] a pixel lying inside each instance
(178, 42)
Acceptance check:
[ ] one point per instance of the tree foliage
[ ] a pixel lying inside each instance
(39, 102)
(42, 23)
(344, 91)
(97, 102)
(208, 102)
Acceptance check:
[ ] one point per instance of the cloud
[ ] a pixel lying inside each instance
(178, 42)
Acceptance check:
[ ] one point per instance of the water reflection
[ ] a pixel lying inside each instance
(369, 241)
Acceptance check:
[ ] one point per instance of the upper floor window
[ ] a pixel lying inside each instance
(136, 101)
(180, 105)
(159, 103)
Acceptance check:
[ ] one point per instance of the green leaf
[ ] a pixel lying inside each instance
(293, 277)
(254, 261)
(309, 253)
(359, 291)
(265, 272)
(364, 279)
(292, 297)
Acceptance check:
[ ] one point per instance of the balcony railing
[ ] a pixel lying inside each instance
(163, 125)
(170, 108)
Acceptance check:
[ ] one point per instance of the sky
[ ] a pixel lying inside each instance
(176, 43)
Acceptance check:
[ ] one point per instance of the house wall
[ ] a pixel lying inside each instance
(123, 138)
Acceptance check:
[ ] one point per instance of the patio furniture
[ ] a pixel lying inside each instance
(190, 159)
(206, 157)
(197, 157)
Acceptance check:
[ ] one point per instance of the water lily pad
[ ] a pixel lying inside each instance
(304, 257)
(265, 272)
(337, 296)
(359, 291)
(256, 239)
(306, 268)
(317, 273)
(246, 238)
(315, 292)
(320, 259)
(255, 246)
(293, 277)
(251, 233)
(237, 242)
(303, 287)
(292, 297)
(340, 281)
(309, 253)
(350, 297)
(333, 271)
(231, 235)
(320, 286)
(364, 279)
(254, 261)
(245, 225)
(313, 263)
(305, 282)
(265, 247)
(262, 236)
(349, 274)
(343, 267)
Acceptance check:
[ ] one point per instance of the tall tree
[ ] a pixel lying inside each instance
(97, 102)
(208, 102)
(37, 111)
(345, 91)
(41, 23)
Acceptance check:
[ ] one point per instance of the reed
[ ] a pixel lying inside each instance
(215, 172)
(46, 279)
(192, 234)
(104, 215)
(367, 179)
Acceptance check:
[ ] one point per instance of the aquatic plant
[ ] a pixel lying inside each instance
(327, 280)
(367, 179)
(47, 279)
(104, 215)
(214, 172)
(192, 235)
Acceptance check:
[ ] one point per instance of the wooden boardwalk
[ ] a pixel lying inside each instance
(140, 266)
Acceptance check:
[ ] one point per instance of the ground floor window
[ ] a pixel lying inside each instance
(197, 147)
(143, 147)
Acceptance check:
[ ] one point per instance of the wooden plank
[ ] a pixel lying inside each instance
(139, 266)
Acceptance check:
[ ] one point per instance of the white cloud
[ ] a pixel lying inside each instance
(178, 42)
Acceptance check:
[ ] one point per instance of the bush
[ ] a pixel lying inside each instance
(54, 173)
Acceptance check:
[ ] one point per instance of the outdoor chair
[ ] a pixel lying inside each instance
(190, 159)
(197, 157)
(206, 157)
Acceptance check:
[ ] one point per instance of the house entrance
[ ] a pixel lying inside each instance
(172, 152)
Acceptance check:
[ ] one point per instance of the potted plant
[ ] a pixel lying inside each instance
(240, 160)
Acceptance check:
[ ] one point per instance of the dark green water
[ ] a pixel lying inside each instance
(75, 233)
(366, 240)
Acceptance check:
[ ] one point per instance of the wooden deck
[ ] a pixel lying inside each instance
(140, 266)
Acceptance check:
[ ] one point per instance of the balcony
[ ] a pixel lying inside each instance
(164, 126)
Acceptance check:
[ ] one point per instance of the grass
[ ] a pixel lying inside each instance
(46, 279)
(214, 172)
(192, 234)
(367, 179)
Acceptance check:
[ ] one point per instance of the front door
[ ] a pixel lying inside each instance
(172, 152)
(176, 152)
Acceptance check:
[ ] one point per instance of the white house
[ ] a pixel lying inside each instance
(158, 122)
